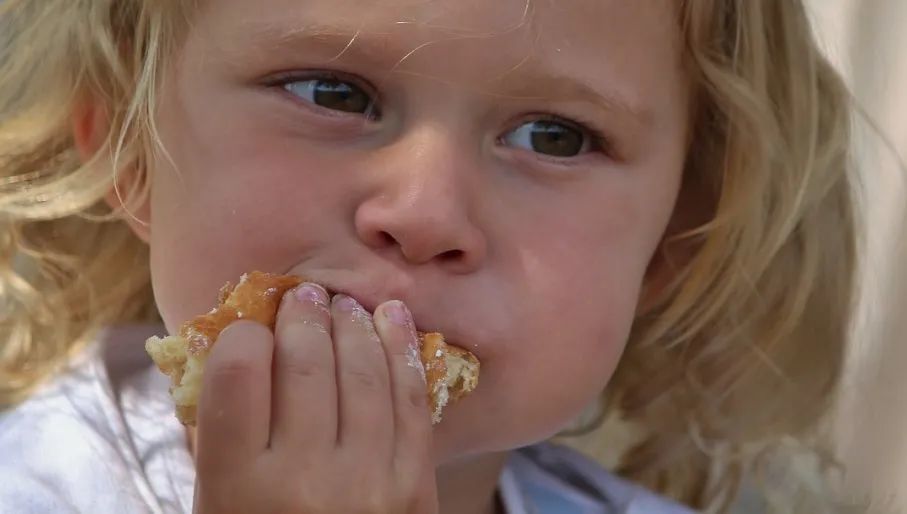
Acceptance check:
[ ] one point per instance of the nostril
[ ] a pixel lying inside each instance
(451, 255)
(387, 239)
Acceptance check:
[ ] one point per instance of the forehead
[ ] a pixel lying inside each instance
(623, 54)
(466, 17)
(499, 34)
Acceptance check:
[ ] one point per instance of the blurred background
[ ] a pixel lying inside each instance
(866, 40)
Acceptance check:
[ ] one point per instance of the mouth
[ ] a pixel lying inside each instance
(370, 298)
(430, 313)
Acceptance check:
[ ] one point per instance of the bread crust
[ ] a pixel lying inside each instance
(450, 372)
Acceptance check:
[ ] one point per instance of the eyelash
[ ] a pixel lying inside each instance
(600, 142)
(286, 77)
(281, 79)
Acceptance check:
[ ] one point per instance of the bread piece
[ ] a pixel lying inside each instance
(450, 372)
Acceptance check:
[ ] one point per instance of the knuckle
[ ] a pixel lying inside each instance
(300, 364)
(365, 380)
(233, 366)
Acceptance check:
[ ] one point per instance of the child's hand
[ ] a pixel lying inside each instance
(328, 414)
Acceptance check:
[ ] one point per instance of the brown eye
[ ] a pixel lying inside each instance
(336, 95)
(549, 137)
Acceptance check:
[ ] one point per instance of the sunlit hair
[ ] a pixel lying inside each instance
(742, 349)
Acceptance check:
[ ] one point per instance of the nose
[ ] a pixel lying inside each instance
(421, 208)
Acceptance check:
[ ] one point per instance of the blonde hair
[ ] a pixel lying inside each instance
(743, 348)
(68, 264)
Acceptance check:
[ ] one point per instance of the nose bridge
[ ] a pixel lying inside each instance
(432, 170)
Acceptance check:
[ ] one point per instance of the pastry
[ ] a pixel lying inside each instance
(450, 372)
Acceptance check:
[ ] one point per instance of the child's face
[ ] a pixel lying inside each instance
(443, 153)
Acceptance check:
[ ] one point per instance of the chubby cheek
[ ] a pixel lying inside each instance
(572, 317)
(238, 198)
(213, 222)
(568, 372)
(542, 380)
(189, 262)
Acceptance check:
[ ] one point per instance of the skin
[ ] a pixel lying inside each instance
(533, 262)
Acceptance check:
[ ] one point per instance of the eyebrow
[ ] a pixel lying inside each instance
(535, 83)
(330, 42)
(528, 81)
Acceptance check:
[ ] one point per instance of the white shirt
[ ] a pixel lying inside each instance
(102, 438)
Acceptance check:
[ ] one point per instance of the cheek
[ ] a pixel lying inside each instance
(245, 203)
(579, 286)
(590, 274)
(556, 364)
(572, 317)
(585, 324)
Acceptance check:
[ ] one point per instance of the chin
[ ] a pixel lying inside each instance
(476, 429)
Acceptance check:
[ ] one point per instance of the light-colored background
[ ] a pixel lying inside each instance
(867, 40)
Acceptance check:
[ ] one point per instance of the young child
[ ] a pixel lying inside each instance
(646, 200)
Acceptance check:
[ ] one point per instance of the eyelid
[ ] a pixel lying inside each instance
(281, 79)
(600, 142)
(285, 77)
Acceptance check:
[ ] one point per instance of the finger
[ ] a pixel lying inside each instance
(304, 408)
(412, 416)
(366, 412)
(426, 492)
(235, 401)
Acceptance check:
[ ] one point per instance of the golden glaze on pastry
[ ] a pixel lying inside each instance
(450, 372)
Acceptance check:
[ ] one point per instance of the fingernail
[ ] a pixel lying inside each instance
(345, 303)
(397, 313)
(309, 292)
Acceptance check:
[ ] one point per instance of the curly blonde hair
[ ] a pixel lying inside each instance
(743, 348)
